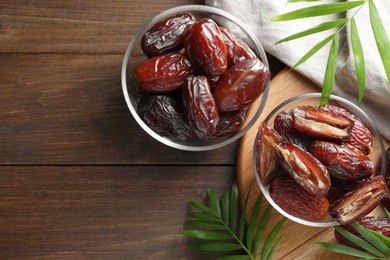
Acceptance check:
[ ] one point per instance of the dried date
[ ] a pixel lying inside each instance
(361, 201)
(164, 73)
(206, 48)
(162, 114)
(167, 35)
(321, 123)
(343, 161)
(267, 159)
(237, 49)
(360, 134)
(304, 168)
(284, 125)
(241, 84)
(229, 123)
(296, 201)
(199, 106)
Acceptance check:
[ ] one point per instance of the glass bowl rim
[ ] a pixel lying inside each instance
(195, 8)
(264, 190)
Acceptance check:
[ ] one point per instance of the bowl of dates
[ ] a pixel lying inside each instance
(317, 165)
(191, 73)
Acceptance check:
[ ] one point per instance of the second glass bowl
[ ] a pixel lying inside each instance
(313, 99)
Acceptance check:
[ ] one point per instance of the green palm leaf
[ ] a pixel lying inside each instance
(358, 59)
(225, 205)
(271, 237)
(206, 234)
(317, 10)
(316, 29)
(330, 71)
(233, 207)
(345, 250)
(215, 246)
(375, 241)
(252, 223)
(380, 236)
(382, 41)
(360, 242)
(217, 225)
(273, 249)
(312, 51)
(205, 225)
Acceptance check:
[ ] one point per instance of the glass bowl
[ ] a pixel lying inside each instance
(134, 56)
(313, 99)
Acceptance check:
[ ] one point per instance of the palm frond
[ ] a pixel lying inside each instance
(219, 228)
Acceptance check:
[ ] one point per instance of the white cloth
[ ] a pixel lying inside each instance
(376, 102)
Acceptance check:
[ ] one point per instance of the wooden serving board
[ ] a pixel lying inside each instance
(298, 242)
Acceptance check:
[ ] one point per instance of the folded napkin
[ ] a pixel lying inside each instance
(376, 102)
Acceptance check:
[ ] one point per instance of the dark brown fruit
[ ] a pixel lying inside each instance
(296, 201)
(206, 48)
(360, 134)
(167, 35)
(241, 85)
(361, 201)
(379, 224)
(229, 123)
(164, 73)
(320, 123)
(343, 161)
(284, 125)
(161, 113)
(304, 168)
(199, 106)
(237, 49)
(267, 159)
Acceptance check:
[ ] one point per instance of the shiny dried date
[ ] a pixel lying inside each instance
(360, 134)
(284, 125)
(206, 49)
(321, 123)
(296, 201)
(241, 84)
(361, 201)
(379, 224)
(229, 123)
(164, 73)
(304, 168)
(342, 160)
(267, 159)
(167, 35)
(237, 49)
(199, 106)
(161, 113)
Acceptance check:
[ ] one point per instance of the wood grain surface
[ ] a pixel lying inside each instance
(299, 240)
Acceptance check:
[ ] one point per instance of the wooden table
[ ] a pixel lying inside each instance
(79, 179)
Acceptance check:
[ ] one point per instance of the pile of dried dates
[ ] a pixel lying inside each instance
(198, 79)
(315, 162)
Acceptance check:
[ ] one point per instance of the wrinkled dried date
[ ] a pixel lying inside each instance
(284, 125)
(206, 49)
(304, 168)
(359, 202)
(296, 201)
(166, 35)
(360, 135)
(237, 49)
(161, 113)
(343, 161)
(241, 85)
(320, 123)
(164, 73)
(379, 224)
(267, 159)
(229, 123)
(199, 106)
